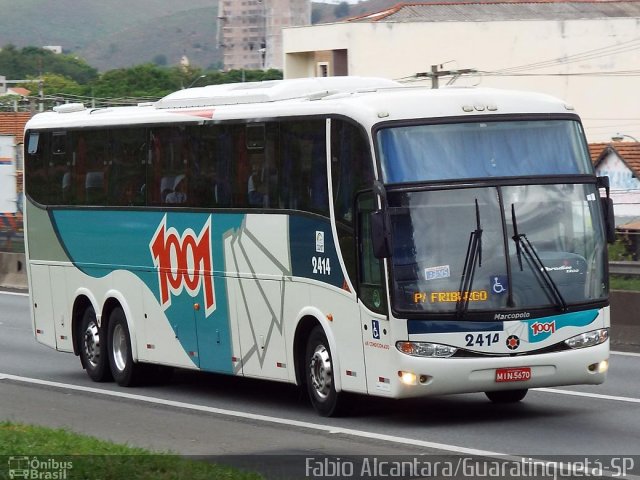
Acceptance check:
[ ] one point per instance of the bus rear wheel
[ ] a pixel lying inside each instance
(319, 375)
(125, 371)
(93, 347)
(507, 396)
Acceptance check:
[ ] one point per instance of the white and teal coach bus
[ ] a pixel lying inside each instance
(348, 235)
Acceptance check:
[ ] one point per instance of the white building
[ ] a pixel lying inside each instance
(585, 52)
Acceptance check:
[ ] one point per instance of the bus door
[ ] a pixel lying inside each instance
(375, 326)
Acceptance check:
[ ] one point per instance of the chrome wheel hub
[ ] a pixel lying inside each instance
(92, 344)
(120, 348)
(321, 373)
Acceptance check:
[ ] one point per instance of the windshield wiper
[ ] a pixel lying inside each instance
(472, 258)
(523, 245)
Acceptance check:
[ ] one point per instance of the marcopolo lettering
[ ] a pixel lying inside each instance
(184, 262)
(511, 316)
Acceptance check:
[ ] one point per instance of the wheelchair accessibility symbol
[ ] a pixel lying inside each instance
(499, 284)
(375, 329)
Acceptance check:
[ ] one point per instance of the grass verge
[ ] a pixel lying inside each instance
(624, 282)
(62, 454)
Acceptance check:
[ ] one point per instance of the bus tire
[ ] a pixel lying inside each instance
(125, 372)
(319, 375)
(93, 347)
(507, 396)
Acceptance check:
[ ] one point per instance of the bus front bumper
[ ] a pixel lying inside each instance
(418, 376)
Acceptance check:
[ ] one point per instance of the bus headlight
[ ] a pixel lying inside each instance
(425, 349)
(589, 339)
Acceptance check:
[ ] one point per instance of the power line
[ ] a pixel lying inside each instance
(617, 73)
(622, 47)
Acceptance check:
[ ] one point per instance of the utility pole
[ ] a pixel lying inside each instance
(41, 86)
(436, 73)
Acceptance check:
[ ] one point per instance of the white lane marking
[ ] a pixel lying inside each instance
(19, 294)
(625, 354)
(599, 396)
(262, 418)
(314, 426)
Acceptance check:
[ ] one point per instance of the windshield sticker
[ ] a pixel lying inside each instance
(467, 296)
(376, 299)
(499, 284)
(434, 273)
(567, 268)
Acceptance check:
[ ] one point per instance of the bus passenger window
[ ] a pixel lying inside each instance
(179, 192)
(256, 184)
(94, 188)
(303, 170)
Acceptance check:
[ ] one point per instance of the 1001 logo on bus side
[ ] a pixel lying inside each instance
(184, 262)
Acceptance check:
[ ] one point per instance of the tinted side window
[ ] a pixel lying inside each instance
(351, 171)
(304, 166)
(126, 173)
(370, 285)
(171, 157)
(276, 165)
(37, 166)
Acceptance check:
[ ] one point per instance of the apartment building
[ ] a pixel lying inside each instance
(250, 31)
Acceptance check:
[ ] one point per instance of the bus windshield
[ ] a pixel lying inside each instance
(482, 149)
(497, 248)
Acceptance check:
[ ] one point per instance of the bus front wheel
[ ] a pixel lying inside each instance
(125, 372)
(93, 347)
(320, 375)
(507, 396)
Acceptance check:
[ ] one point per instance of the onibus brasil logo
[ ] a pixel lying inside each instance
(38, 469)
(184, 262)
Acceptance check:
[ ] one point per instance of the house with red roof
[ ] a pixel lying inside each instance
(12, 127)
(19, 91)
(620, 161)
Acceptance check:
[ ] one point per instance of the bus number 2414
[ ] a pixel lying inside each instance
(321, 265)
(481, 340)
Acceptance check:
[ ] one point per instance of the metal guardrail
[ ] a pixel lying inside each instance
(625, 268)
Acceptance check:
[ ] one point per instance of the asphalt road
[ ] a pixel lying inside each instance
(206, 414)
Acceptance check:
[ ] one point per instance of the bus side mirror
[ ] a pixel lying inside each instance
(381, 234)
(609, 219)
(607, 209)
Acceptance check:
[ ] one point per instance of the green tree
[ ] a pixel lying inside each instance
(33, 61)
(65, 77)
(54, 84)
(145, 80)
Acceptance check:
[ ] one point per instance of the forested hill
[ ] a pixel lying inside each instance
(116, 33)
(111, 34)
